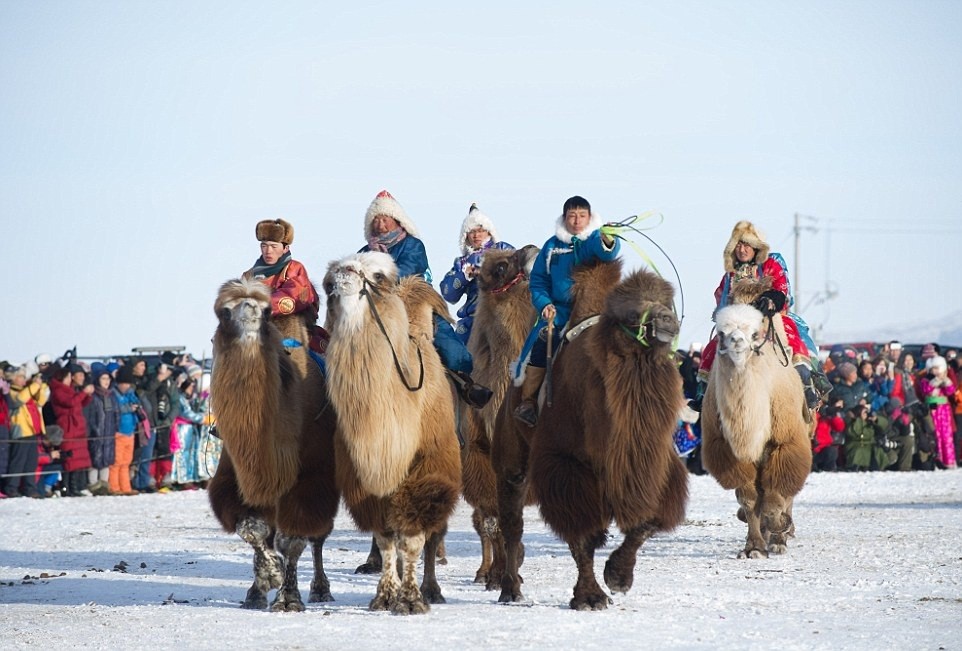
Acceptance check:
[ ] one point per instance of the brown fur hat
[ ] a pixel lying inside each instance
(746, 232)
(275, 230)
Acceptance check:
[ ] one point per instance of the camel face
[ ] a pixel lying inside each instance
(739, 329)
(244, 305)
(345, 283)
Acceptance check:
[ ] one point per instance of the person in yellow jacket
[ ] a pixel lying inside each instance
(29, 394)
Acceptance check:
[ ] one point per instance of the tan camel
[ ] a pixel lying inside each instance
(603, 449)
(755, 429)
(503, 318)
(398, 462)
(275, 483)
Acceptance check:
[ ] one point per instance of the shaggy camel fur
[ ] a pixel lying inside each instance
(603, 451)
(397, 456)
(501, 323)
(275, 483)
(755, 429)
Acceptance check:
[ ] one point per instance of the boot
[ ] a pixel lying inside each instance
(473, 394)
(527, 411)
(812, 397)
(695, 403)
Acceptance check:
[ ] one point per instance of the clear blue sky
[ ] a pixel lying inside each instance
(141, 142)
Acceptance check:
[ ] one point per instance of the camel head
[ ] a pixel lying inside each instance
(349, 278)
(243, 309)
(642, 305)
(740, 330)
(500, 268)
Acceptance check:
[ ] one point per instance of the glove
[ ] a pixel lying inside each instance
(770, 302)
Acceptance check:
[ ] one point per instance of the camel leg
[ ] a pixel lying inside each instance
(776, 521)
(389, 586)
(410, 600)
(755, 544)
(430, 590)
(487, 553)
(442, 553)
(588, 594)
(320, 586)
(268, 572)
(620, 567)
(288, 597)
(511, 513)
(373, 563)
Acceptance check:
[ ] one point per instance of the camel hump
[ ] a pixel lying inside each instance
(593, 281)
(417, 295)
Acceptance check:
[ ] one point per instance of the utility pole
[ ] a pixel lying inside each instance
(797, 283)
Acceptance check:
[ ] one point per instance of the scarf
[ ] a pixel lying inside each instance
(384, 242)
(262, 270)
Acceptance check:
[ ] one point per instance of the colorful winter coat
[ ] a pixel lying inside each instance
(129, 408)
(291, 289)
(456, 285)
(410, 257)
(68, 405)
(27, 416)
(103, 423)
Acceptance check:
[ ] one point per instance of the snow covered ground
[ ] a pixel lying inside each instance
(877, 564)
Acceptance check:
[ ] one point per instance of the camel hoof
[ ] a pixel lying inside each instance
(255, 603)
(753, 553)
(777, 548)
(481, 577)
(414, 607)
(369, 567)
(599, 601)
(380, 602)
(432, 594)
(319, 596)
(616, 579)
(292, 606)
(510, 596)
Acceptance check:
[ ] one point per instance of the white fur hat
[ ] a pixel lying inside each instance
(475, 219)
(933, 362)
(385, 204)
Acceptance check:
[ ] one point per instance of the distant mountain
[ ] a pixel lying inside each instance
(944, 330)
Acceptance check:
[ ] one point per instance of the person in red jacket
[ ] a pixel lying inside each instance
(829, 425)
(68, 401)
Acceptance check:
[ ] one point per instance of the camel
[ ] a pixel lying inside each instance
(603, 450)
(275, 483)
(755, 424)
(397, 457)
(501, 323)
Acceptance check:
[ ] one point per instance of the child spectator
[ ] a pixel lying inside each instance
(130, 412)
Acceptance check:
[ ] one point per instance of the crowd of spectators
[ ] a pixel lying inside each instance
(70, 428)
(891, 411)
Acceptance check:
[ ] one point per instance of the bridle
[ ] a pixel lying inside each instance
(771, 336)
(366, 292)
(508, 285)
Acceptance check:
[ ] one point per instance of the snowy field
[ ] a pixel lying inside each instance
(877, 564)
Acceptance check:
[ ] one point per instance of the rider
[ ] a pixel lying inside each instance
(477, 236)
(387, 228)
(748, 255)
(577, 240)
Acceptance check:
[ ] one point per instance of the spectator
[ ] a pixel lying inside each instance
(130, 412)
(879, 383)
(901, 436)
(849, 389)
(863, 433)
(185, 473)
(156, 445)
(903, 383)
(829, 435)
(5, 410)
(577, 239)
(68, 402)
(102, 426)
(29, 394)
(689, 370)
(936, 388)
(478, 235)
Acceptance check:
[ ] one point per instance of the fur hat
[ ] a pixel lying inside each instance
(275, 230)
(125, 374)
(475, 219)
(746, 232)
(385, 204)
(43, 358)
(936, 362)
(30, 369)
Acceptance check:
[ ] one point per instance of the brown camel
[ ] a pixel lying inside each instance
(275, 484)
(397, 456)
(603, 450)
(503, 318)
(755, 424)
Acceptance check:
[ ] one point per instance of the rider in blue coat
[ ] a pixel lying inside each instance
(387, 228)
(577, 240)
(478, 236)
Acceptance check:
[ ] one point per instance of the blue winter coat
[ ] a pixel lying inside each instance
(551, 280)
(409, 256)
(455, 284)
(129, 404)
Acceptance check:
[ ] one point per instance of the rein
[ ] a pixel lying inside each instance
(366, 291)
(644, 331)
(770, 336)
(511, 283)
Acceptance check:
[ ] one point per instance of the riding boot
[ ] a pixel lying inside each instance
(695, 403)
(527, 411)
(811, 394)
(472, 393)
